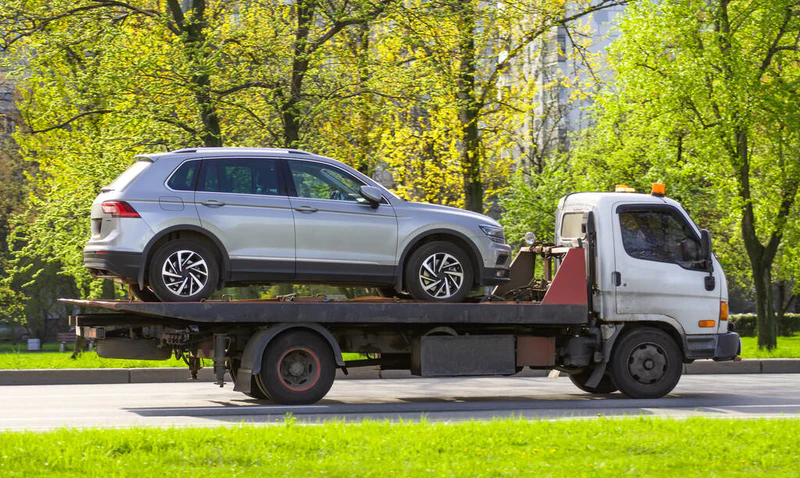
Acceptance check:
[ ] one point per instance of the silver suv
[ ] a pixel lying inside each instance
(177, 226)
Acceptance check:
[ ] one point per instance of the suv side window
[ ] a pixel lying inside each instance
(241, 176)
(660, 235)
(185, 177)
(321, 181)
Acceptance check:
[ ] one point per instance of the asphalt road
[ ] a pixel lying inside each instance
(42, 407)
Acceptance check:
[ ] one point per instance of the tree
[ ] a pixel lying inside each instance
(708, 92)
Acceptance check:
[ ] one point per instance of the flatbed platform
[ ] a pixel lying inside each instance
(372, 311)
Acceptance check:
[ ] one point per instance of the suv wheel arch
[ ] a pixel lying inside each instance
(447, 235)
(184, 231)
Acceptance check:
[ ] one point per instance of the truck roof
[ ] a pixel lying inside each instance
(600, 200)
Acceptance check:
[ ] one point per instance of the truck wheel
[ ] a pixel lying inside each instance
(604, 387)
(298, 368)
(646, 363)
(439, 271)
(183, 271)
(144, 295)
(255, 388)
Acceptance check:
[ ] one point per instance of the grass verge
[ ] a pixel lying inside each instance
(788, 347)
(58, 360)
(604, 447)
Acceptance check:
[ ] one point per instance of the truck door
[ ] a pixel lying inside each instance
(658, 270)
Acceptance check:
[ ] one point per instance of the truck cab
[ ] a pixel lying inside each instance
(652, 266)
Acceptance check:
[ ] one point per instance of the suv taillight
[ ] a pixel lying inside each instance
(119, 209)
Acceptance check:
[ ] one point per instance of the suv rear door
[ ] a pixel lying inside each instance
(243, 202)
(340, 237)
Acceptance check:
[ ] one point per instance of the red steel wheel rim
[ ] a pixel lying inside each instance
(300, 357)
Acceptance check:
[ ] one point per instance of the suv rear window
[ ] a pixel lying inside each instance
(125, 179)
(185, 177)
(241, 176)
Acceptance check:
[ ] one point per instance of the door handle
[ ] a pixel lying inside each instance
(212, 203)
(306, 209)
(617, 278)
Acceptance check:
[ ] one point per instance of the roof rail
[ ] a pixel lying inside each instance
(299, 151)
(184, 151)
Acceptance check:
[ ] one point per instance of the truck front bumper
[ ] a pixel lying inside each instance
(720, 347)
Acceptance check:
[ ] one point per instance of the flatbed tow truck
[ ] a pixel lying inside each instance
(628, 293)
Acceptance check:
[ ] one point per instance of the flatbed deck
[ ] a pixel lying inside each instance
(372, 311)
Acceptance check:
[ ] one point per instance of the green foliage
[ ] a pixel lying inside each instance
(531, 202)
(89, 360)
(597, 448)
(746, 324)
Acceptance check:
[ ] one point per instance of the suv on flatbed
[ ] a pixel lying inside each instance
(178, 226)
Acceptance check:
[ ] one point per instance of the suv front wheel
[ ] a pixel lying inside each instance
(439, 271)
(183, 271)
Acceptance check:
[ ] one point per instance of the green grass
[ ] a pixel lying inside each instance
(514, 448)
(788, 347)
(36, 360)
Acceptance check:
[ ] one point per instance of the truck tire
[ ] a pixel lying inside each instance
(646, 363)
(440, 272)
(605, 386)
(183, 271)
(298, 368)
(256, 390)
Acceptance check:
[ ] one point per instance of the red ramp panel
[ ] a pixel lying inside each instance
(569, 284)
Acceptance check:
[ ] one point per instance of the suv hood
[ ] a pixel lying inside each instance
(447, 211)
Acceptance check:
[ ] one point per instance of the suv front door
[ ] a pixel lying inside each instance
(244, 203)
(658, 267)
(339, 236)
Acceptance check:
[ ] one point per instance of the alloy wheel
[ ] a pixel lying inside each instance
(184, 273)
(441, 275)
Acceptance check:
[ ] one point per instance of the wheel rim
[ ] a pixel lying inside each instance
(299, 369)
(647, 363)
(184, 273)
(441, 275)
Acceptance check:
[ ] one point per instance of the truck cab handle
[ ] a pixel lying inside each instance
(617, 278)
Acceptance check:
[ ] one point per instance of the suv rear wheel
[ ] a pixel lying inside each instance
(183, 271)
(439, 271)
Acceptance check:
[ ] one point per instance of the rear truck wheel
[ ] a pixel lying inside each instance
(298, 368)
(183, 271)
(605, 386)
(255, 388)
(646, 363)
(144, 295)
(440, 272)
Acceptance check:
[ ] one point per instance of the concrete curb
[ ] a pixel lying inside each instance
(76, 376)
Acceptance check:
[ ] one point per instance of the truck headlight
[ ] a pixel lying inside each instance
(495, 233)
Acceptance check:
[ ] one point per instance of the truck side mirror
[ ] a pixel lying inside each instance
(705, 253)
(705, 245)
(372, 194)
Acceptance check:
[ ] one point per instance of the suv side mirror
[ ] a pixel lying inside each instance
(372, 194)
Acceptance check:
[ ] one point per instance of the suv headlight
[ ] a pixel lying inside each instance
(495, 233)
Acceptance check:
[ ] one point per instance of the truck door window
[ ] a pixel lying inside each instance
(662, 236)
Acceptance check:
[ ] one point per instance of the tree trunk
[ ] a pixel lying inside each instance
(300, 62)
(468, 108)
(194, 38)
(760, 260)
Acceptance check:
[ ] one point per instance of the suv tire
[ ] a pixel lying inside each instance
(183, 271)
(439, 272)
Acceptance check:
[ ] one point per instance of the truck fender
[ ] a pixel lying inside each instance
(610, 333)
(254, 351)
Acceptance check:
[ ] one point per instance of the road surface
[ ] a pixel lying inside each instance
(203, 404)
